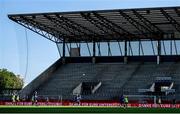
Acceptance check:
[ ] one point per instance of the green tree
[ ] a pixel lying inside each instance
(9, 80)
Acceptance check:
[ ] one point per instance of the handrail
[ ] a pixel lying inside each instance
(77, 90)
(96, 87)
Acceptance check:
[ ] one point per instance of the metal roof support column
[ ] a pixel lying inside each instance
(120, 48)
(88, 48)
(139, 48)
(64, 51)
(79, 49)
(68, 49)
(129, 52)
(164, 47)
(152, 47)
(170, 47)
(109, 49)
(158, 51)
(94, 52)
(125, 52)
(99, 48)
(175, 47)
(130, 48)
(58, 49)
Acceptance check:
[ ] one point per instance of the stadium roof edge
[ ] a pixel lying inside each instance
(104, 25)
(89, 11)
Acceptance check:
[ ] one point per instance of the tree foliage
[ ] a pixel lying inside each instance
(9, 80)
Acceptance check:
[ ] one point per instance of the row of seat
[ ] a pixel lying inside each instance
(117, 79)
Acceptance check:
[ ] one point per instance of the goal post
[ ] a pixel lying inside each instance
(142, 99)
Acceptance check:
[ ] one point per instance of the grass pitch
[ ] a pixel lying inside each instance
(83, 109)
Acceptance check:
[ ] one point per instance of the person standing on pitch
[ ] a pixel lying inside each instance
(78, 99)
(174, 102)
(32, 100)
(47, 100)
(17, 99)
(159, 102)
(35, 97)
(126, 101)
(24, 99)
(13, 99)
(121, 101)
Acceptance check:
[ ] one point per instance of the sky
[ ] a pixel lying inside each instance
(42, 52)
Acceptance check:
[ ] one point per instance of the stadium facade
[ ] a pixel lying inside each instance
(109, 53)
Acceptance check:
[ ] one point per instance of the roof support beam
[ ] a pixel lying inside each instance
(83, 31)
(57, 23)
(88, 48)
(125, 52)
(141, 28)
(158, 51)
(69, 25)
(109, 25)
(112, 25)
(38, 31)
(78, 25)
(64, 49)
(154, 29)
(162, 23)
(119, 44)
(102, 25)
(51, 30)
(96, 23)
(42, 26)
(172, 20)
(29, 25)
(177, 11)
(99, 25)
(109, 49)
(57, 35)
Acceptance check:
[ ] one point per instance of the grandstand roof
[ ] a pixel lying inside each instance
(104, 25)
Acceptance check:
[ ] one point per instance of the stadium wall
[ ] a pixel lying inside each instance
(42, 78)
(111, 59)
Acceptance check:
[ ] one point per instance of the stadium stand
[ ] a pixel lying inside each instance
(114, 78)
(67, 77)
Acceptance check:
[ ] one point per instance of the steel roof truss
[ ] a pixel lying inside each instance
(41, 27)
(151, 26)
(170, 19)
(111, 25)
(37, 30)
(141, 28)
(96, 23)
